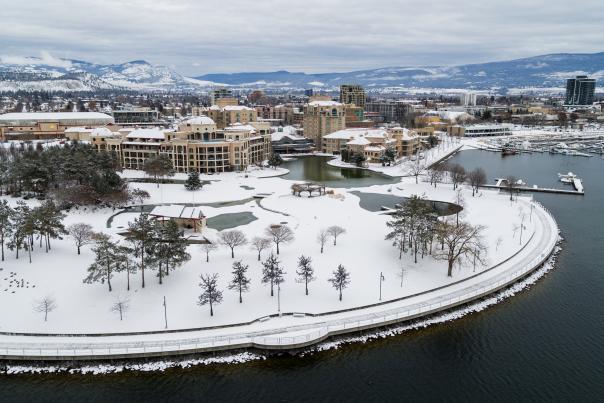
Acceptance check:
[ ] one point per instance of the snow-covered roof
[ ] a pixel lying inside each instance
(94, 132)
(286, 131)
(147, 134)
(199, 120)
(359, 141)
(237, 108)
(347, 134)
(55, 116)
(176, 211)
(239, 127)
(324, 103)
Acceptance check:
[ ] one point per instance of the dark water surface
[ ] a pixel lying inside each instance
(544, 344)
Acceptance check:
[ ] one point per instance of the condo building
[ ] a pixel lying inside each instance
(580, 91)
(352, 94)
(322, 117)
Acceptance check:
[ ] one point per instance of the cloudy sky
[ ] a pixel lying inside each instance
(197, 37)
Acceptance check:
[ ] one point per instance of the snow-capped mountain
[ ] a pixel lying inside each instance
(540, 73)
(75, 75)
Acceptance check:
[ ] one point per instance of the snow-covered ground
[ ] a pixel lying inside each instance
(83, 308)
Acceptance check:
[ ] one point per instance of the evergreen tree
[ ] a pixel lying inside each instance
(106, 261)
(210, 293)
(340, 279)
(141, 234)
(275, 160)
(305, 271)
(240, 281)
(170, 248)
(193, 182)
(6, 228)
(272, 272)
(159, 167)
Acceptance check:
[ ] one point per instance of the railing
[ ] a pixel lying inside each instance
(311, 333)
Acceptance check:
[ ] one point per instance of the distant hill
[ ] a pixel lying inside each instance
(545, 73)
(548, 71)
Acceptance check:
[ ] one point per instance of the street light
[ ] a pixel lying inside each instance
(382, 278)
(279, 298)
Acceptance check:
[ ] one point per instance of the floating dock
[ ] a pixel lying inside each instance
(535, 189)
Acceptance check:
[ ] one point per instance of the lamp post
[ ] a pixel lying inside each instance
(165, 312)
(279, 299)
(382, 278)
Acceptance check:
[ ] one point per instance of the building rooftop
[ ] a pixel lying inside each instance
(55, 116)
(199, 120)
(147, 134)
(324, 103)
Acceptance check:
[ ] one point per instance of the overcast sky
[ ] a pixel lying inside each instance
(197, 37)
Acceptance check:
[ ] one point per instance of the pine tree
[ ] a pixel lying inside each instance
(141, 234)
(272, 273)
(193, 182)
(106, 261)
(240, 282)
(170, 249)
(6, 228)
(210, 293)
(305, 271)
(340, 279)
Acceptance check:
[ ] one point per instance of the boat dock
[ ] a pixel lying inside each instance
(534, 189)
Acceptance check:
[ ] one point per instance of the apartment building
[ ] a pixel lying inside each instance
(352, 94)
(372, 142)
(322, 117)
(196, 145)
(230, 114)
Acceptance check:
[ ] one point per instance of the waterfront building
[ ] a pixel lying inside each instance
(285, 140)
(580, 91)
(196, 145)
(47, 125)
(352, 94)
(480, 130)
(372, 142)
(322, 117)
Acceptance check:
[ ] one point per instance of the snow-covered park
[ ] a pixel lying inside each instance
(373, 262)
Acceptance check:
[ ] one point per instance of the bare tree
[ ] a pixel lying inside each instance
(280, 234)
(259, 244)
(477, 178)
(81, 233)
(335, 231)
(210, 293)
(458, 175)
(121, 306)
(322, 238)
(207, 248)
(45, 305)
(436, 174)
(460, 240)
(232, 239)
(340, 279)
(416, 169)
(511, 185)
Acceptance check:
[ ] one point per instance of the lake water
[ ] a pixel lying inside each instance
(544, 344)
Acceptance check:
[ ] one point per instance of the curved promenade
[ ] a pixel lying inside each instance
(291, 330)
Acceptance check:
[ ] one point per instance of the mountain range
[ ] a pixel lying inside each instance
(545, 73)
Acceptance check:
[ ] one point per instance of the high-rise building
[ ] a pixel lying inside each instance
(322, 117)
(580, 91)
(220, 93)
(352, 94)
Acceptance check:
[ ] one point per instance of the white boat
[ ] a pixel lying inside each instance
(568, 178)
